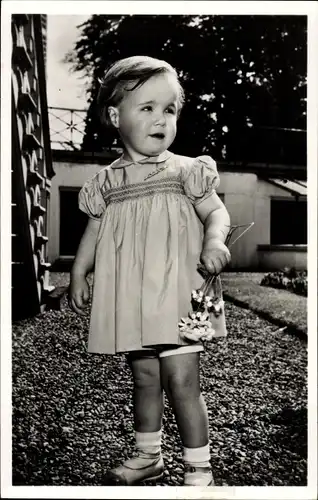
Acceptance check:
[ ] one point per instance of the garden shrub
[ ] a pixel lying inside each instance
(288, 279)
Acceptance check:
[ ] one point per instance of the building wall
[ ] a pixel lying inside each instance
(278, 257)
(31, 167)
(246, 197)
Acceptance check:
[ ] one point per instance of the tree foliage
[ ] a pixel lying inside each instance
(244, 78)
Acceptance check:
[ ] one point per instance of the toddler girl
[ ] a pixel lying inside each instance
(153, 216)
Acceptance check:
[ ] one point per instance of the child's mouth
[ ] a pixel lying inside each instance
(159, 136)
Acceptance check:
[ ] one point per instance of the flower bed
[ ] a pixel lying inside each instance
(288, 279)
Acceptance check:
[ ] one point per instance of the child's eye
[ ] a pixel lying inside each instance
(171, 111)
(147, 108)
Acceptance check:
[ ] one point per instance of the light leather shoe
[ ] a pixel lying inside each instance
(135, 470)
(198, 476)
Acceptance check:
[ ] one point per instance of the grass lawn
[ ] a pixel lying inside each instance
(279, 306)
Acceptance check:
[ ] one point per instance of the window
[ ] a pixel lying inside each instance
(288, 222)
(72, 221)
(221, 196)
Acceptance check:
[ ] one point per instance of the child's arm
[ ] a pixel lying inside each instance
(78, 294)
(216, 220)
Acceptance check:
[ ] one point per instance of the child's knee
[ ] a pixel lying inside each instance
(146, 372)
(182, 386)
(181, 377)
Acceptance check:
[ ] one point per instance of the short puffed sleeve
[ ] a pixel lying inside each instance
(202, 179)
(90, 199)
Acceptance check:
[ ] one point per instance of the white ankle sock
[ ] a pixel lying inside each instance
(197, 457)
(148, 442)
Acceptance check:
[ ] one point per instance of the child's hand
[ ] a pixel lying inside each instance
(78, 294)
(215, 256)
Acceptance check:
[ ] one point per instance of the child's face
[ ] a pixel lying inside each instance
(147, 116)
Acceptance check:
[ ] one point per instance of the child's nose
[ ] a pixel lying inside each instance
(160, 118)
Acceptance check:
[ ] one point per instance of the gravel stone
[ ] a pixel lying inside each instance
(73, 413)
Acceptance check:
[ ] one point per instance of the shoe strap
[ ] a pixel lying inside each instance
(138, 463)
(201, 470)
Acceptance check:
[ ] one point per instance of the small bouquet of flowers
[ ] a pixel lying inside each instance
(207, 320)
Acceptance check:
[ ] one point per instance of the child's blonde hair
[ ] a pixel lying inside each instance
(134, 70)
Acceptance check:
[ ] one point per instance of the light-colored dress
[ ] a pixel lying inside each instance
(148, 248)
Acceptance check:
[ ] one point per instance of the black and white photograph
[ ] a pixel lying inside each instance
(159, 214)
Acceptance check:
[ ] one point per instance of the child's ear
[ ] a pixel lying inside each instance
(113, 116)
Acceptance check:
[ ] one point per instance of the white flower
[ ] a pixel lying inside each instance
(207, 336)
(185, 322)
(205, 316)
(193, 316)
(201, 294)
(209, 304)
(219, 306)
(189, 335)
(207, 324)
(207, 298)
(199, 299)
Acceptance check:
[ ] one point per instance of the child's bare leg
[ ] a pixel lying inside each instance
(148, 410)
(181, 381)
(148, 393)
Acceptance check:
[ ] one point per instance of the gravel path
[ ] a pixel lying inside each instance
(72, 411)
